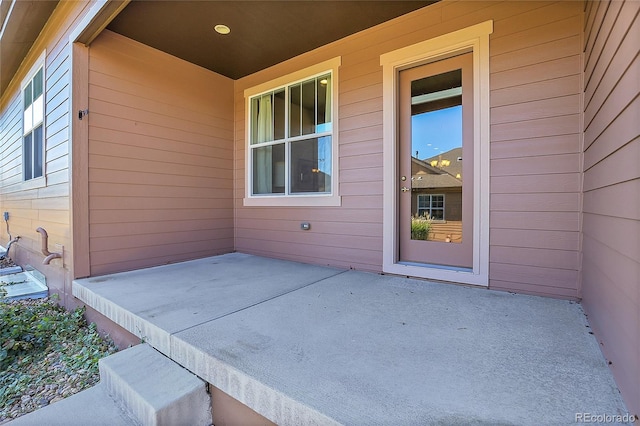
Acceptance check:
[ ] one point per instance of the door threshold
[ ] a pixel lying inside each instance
(438, 272)
(434, 266)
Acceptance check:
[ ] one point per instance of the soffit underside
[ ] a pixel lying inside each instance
(263, 33)
(20, 24)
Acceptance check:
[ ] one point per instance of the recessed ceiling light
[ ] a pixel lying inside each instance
(222, 29)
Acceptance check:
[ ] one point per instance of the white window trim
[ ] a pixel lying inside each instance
(41, 180)
(471, 39)
(301, 200)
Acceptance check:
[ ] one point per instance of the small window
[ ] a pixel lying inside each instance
(291, 139)
(431, 205)
(33, 126)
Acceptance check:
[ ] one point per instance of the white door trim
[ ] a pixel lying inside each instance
(471, 39)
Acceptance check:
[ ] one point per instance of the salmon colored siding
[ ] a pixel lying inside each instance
(535, 76)
(159, 162)
(160, 158)
(45, 203)
(611, 219)
(535, 151)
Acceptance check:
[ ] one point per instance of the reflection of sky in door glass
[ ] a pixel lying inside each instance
(436, 132)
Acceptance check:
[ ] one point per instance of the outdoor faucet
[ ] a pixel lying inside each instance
(15, 240)
(45, 250)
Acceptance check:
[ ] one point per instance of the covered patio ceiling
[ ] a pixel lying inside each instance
(263, 33)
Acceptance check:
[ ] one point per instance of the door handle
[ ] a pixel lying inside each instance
(404, 189)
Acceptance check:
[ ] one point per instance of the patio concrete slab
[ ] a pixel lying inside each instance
(358, 348)
(153, 303)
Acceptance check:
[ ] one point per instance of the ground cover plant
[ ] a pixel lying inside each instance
(420, 227)
(46, 354)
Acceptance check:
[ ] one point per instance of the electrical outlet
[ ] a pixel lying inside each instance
(6, 216)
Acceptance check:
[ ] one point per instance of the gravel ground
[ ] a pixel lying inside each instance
(6, 262)
(67, 365)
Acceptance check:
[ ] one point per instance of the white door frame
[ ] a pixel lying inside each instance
(471, 39)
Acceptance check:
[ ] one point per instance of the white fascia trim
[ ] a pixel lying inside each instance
(471, 39)
(86, 20)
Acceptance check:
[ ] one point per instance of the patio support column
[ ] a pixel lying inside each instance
(79, 149)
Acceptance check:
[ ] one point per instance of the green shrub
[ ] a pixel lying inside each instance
(420, 227)
(37, 333)
(29, 328)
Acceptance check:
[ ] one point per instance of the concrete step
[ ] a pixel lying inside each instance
(138, 386)
(155, 390)
(93, 406)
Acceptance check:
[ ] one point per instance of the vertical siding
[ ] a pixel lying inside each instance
(45, 205)
(611, 220)
(535, 147)
(160, 158)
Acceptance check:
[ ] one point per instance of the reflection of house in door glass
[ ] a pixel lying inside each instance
(437, 193)
(436, 162)
(444, 178)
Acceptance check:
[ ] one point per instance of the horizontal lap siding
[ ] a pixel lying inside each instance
(611, 223)
(160, 158)
(46, 204)
(535, 146)
(535, 151)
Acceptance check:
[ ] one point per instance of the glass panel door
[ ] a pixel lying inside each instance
(436, 163)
